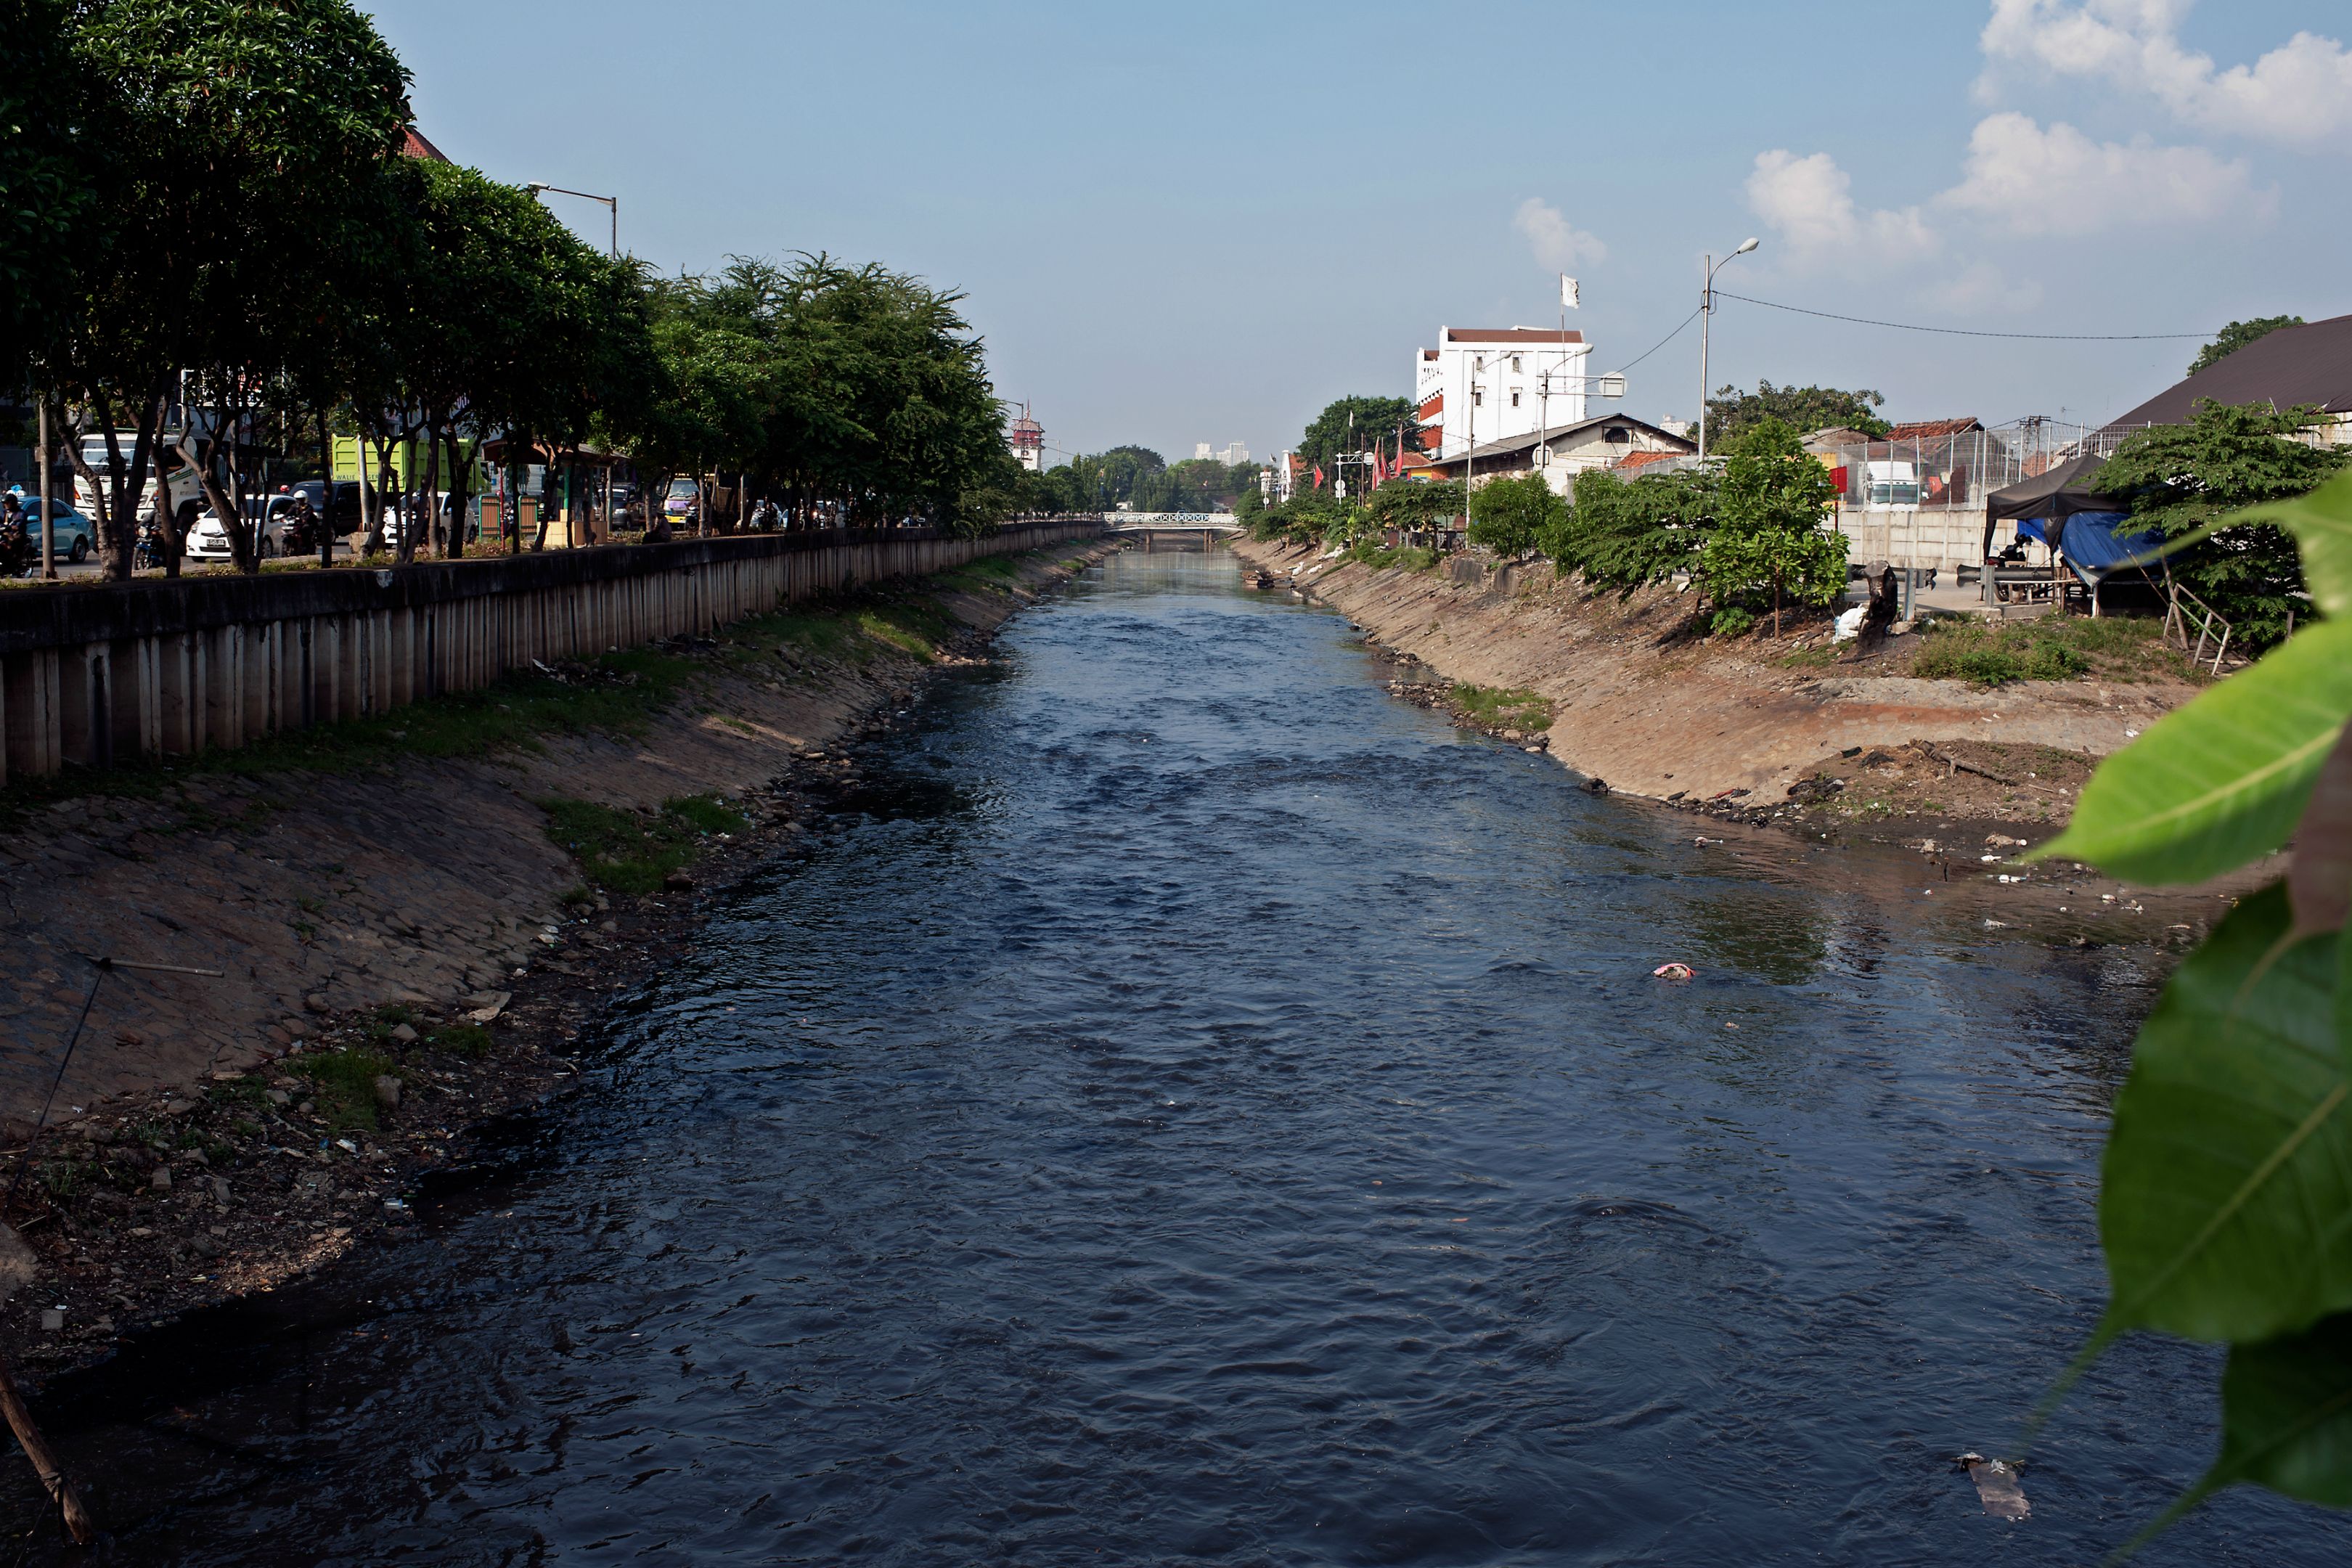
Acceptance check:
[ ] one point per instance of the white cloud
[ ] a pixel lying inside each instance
(1557, 244)
(1809, 202)
(2298, 95)
(2060, 182)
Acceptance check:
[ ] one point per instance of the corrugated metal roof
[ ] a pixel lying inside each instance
(2311, 364)
(1932, 429)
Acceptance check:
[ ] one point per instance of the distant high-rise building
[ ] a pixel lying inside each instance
(1236, 455)
(1201, 452)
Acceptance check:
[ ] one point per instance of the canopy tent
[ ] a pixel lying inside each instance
(2080, 524)
(2055, 493)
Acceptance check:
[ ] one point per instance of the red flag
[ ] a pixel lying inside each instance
(1318, 475)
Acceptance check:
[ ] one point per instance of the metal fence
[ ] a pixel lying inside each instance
(1958, 471)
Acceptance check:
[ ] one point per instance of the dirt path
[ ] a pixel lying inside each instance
(1686, 720)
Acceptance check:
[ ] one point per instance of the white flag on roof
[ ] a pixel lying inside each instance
(1567, 291)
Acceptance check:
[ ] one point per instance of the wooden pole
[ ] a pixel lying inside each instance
(79, 1528)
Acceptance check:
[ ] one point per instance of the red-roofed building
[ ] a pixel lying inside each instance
(1633, 461)
(1932, 429)
(413, 145)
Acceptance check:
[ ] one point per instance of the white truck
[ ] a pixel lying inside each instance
(187, 491)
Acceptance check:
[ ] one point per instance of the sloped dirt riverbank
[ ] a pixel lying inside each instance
(407, 949)
(1940, 783)
(1671, 720)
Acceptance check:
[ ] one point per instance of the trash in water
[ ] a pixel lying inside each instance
(1997, 1485)
(1674, 971)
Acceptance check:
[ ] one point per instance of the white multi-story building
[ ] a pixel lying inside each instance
(1491, 384)
(1279, 478)
(1028, 439)
(1235, 455)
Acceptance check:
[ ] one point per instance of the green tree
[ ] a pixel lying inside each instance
(1767, 538)
(1352, 425)
(1731, 413)
(1628, 533)
(2183, 479)
(2237, 335)
(47, 198)
(1512, 516)
(223, 132)
(1416, 504)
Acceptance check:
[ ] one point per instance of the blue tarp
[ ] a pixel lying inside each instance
(2093, 547)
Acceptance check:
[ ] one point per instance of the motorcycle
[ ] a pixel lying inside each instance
(147, 550)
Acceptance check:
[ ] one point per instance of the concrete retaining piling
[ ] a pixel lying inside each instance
(93, 677)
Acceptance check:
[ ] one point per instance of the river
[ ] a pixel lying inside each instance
(1200, 1109)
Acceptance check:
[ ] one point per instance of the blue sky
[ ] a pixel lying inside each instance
(1203, 223)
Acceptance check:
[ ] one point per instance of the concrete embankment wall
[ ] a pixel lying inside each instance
(96, 676)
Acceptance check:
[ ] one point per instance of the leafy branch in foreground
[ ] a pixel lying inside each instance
(2225, 1207)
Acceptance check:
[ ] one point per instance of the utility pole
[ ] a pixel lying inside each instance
(1706, 316)
(49, 523)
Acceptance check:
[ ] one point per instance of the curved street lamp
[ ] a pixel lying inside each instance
(1706, 315)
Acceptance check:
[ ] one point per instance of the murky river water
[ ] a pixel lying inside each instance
(1209, 1113)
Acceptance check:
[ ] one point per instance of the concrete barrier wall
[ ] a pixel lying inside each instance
(1949, 538)
(96, 676)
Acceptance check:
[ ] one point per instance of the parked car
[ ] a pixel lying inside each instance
(411, 508)
(208, 541)
(75, 535)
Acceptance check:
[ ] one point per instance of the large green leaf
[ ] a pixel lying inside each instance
(2286, 1422)
(2322, 525)
(2226, 1205)
(2286, 1415)
(2221, 781)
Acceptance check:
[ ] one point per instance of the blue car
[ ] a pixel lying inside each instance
(76, 536)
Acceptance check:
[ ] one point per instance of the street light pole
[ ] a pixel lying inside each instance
(1706, 316)
(613, 203)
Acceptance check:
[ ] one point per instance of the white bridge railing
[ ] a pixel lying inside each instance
(1170, 519)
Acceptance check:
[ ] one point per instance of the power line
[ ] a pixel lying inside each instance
(1661, 342)
(1963, 331)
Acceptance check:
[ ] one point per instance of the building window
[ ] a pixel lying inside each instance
(1617, 435)
(1477, 397)
(1515, 400)
(1514, 367)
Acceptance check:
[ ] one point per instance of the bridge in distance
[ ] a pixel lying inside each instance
(1172, 529)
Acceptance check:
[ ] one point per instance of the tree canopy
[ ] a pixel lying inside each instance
(2237, 335)
(1513, 516)
(1731, 413)
(1355, 423)
(228, 219)
(2183, 479)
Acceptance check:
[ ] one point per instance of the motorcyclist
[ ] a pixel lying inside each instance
(302, 532)
(16, 539)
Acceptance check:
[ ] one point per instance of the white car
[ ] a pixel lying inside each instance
(208, 541)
